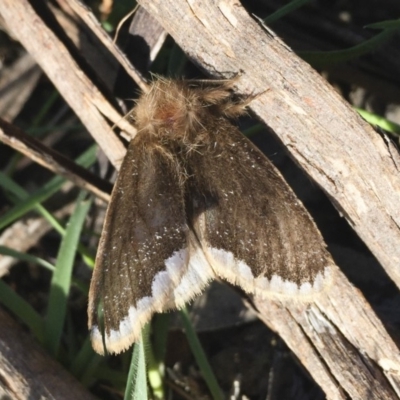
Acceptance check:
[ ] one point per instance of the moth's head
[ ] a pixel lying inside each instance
(175, 107)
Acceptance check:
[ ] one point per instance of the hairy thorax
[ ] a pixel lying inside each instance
(179, 110)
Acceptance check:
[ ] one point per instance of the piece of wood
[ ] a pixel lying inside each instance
(53, 160)
(339, 339)
(93, 25)
(80, 93)
(146, 38)
(28, 372)
(17, 82)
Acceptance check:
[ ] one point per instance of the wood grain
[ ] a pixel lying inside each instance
(73, 84)
(27, 372)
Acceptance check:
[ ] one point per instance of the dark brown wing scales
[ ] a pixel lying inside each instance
(145, 226)
(194, 198)
(253, 229)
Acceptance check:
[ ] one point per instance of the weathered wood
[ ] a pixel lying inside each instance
(80, 93)
(53, 160)
(27, 372)
(93, 26)
(16, 85)
(146, 38)
(339, 340)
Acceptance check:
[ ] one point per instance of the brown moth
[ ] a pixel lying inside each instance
(195, 200)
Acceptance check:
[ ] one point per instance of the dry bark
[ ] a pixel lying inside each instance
(27, 372)
(16, 84)
(339, 339)
(73, 84)
(53, 160)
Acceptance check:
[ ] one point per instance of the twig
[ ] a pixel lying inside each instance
(52, 160)
(75, 87)
(90, 20)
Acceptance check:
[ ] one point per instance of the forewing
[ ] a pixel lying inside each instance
(253, 229)
(143, 260)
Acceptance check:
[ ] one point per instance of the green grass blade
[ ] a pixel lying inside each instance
(155, 366)
(253, 130)
(136, 387)
(26, 257)
(160, 326)
(200, 357)
(61, 280)
(24, 196)
(288, 8)
(320, 59)
(40, 116)
(91, 367)
(83, 287)
(380, 121)
(85, 363)
(17, 190)
(26, 205)
(22, 310)
(389, 24)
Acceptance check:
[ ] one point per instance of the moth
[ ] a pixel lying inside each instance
(195, 200)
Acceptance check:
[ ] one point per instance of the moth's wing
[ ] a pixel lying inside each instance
(253, 229)
(147, 257)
